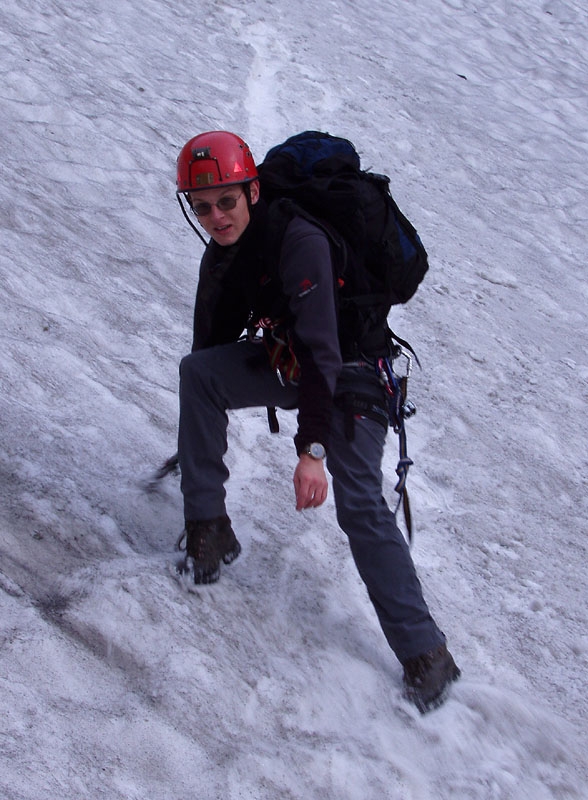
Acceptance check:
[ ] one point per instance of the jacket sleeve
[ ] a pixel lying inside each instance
(306, 273)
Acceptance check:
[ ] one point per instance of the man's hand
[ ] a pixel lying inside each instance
(310, 482)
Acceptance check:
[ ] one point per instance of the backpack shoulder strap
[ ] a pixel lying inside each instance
(280, 213)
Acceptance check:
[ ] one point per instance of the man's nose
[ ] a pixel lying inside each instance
(217, 214)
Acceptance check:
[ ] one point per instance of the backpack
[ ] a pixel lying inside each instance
(378, 256)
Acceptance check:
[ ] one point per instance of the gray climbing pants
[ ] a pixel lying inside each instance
(233, 376)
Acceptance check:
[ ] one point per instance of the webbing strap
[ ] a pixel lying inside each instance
(272, 419)
(404, 462)
(396, 391)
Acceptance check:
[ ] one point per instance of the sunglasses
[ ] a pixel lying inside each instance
(226, 203)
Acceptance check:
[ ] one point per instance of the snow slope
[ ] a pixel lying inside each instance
(116, 682)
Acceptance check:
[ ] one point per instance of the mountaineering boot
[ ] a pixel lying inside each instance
(427, 678)
(206, 543)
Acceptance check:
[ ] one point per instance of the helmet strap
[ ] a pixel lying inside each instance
(190, 223)
(247, 192)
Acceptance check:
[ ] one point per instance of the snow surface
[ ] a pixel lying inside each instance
(117, 682)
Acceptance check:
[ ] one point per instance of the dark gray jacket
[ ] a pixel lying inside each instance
(239, 289)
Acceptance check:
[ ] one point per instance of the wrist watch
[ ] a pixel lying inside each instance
(315, 450)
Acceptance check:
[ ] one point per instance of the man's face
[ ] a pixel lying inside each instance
(225, 227)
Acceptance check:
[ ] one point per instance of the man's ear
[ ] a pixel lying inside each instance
(254, 191)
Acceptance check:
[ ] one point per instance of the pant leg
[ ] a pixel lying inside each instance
(212, 381)
(379, 549)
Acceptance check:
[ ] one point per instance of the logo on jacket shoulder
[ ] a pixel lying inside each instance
(306, 287)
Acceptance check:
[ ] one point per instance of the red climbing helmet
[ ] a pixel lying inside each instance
(216, 158)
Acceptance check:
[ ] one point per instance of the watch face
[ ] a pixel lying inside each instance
(316, 450)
